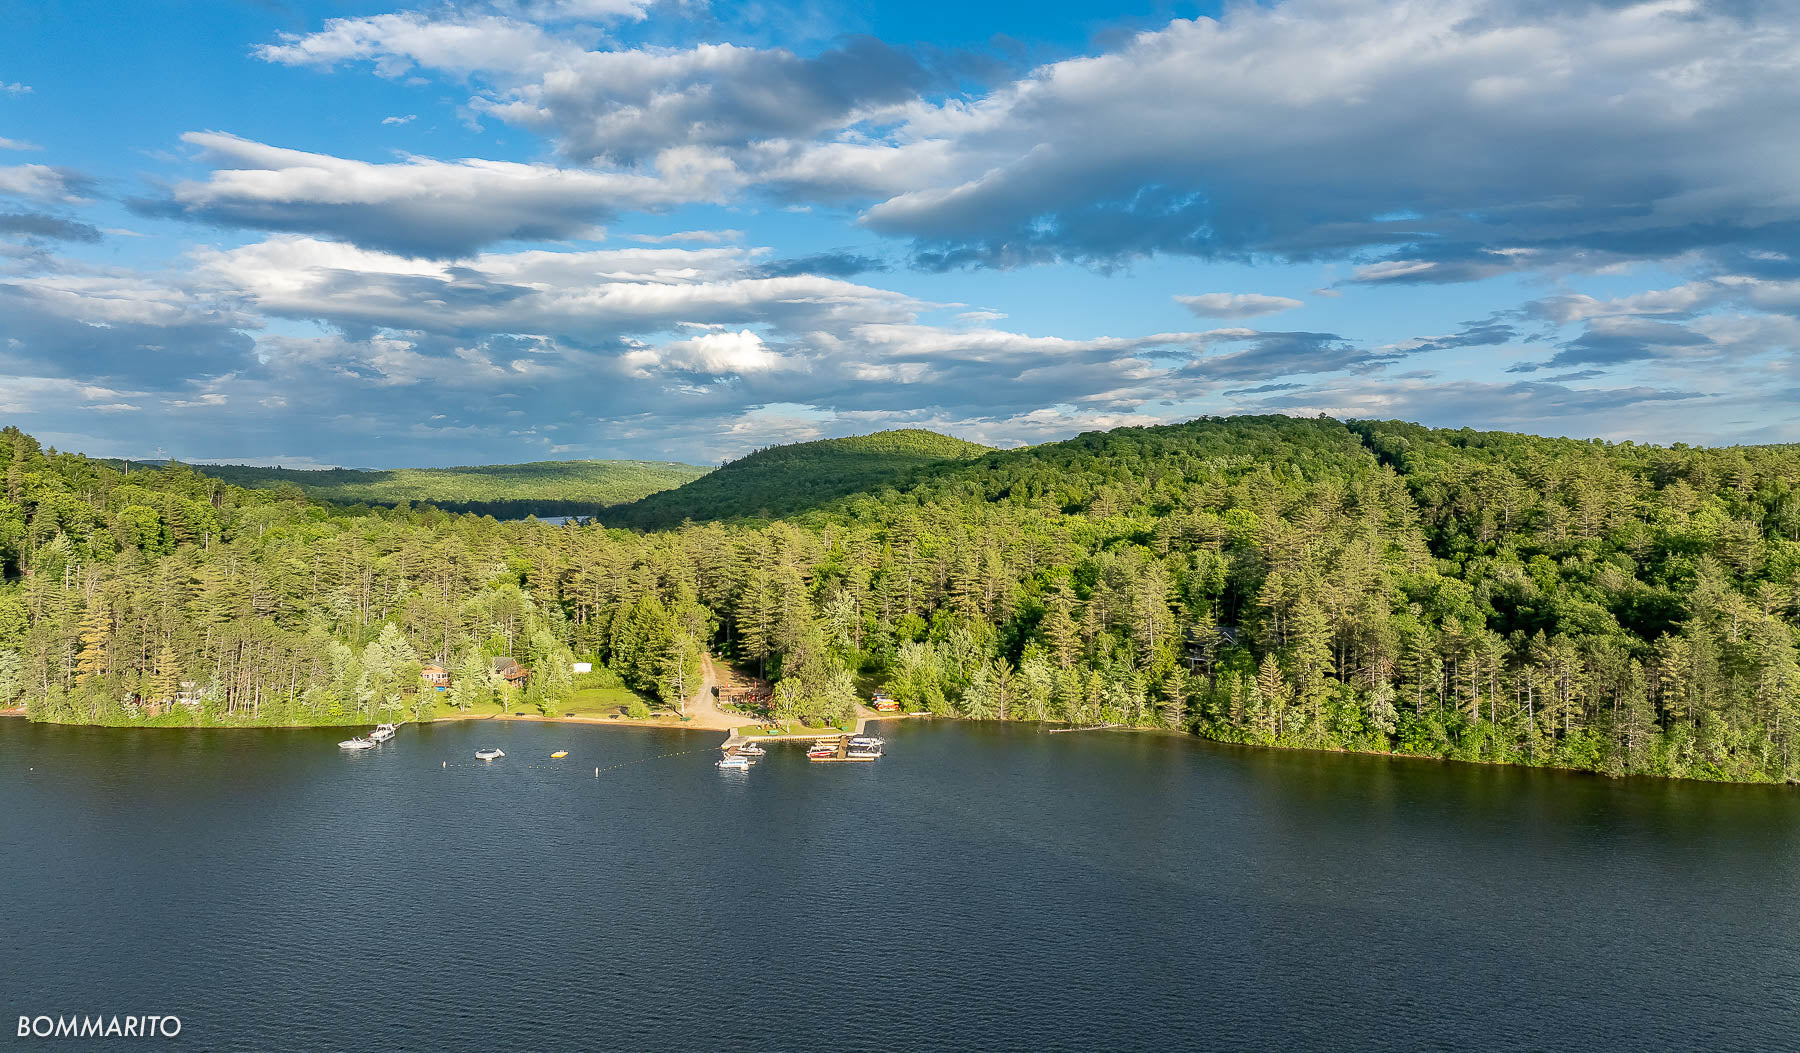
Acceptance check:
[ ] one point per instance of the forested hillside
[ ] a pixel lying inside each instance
(505, 491)
(783, 480)
(1308, 583)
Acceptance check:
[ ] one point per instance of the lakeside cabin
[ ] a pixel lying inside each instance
(190, 695)
(435, 677)
(509, 670)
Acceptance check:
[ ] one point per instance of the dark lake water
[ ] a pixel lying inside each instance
(980, 887)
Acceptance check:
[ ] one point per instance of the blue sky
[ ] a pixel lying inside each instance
(349, 233)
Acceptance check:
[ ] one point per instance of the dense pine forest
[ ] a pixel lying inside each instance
(1292, 582)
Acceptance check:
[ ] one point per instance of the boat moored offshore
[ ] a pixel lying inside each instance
(356, 744)
(488, 753)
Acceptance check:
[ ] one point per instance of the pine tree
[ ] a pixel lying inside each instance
(473, 682)
(1060, 630)
(166, 680)
(1274, 691)
(94, 634)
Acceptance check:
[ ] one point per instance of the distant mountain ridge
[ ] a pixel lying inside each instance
(540, 487)
(784, 480)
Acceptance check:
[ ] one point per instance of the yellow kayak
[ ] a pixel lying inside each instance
(559, 753)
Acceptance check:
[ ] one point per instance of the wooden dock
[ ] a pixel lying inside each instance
(842, 754)
(738, 738)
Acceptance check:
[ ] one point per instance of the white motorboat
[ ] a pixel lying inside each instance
(382, 732)
(488, 753)
(735, 763)
(867, 740)
(751, 749)
(863, 753)
(356, 744)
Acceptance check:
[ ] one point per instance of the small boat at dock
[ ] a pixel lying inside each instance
(382, 732)
(735, 763)
(751, 749)
(488, 753)
(356, 744)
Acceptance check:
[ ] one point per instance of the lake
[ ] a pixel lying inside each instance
(980, 887)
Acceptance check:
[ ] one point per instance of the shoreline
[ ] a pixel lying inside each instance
(655, 723)
(733, 732)
(697, 724)
(734, 737)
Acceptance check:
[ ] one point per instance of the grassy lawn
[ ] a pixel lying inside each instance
(486, 709)
(796, 728)
(599, 702)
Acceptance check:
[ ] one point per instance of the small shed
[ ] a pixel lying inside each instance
(583, 667)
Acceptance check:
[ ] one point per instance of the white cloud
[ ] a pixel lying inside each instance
(1236, 305)
(1776, 295)
(15, 88)
(425, 206)
(716, 354)
(119, 298)
(1467, 138)
(17, 144)
(595, 295)
(1681, 300)
(43, 182)
(397, 43)
(407, 119)
(701, 236)
(40, 394)
(626, 105)
(1445, 122)
(576, 10)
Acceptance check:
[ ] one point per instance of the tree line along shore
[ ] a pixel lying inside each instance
(1372, 586)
